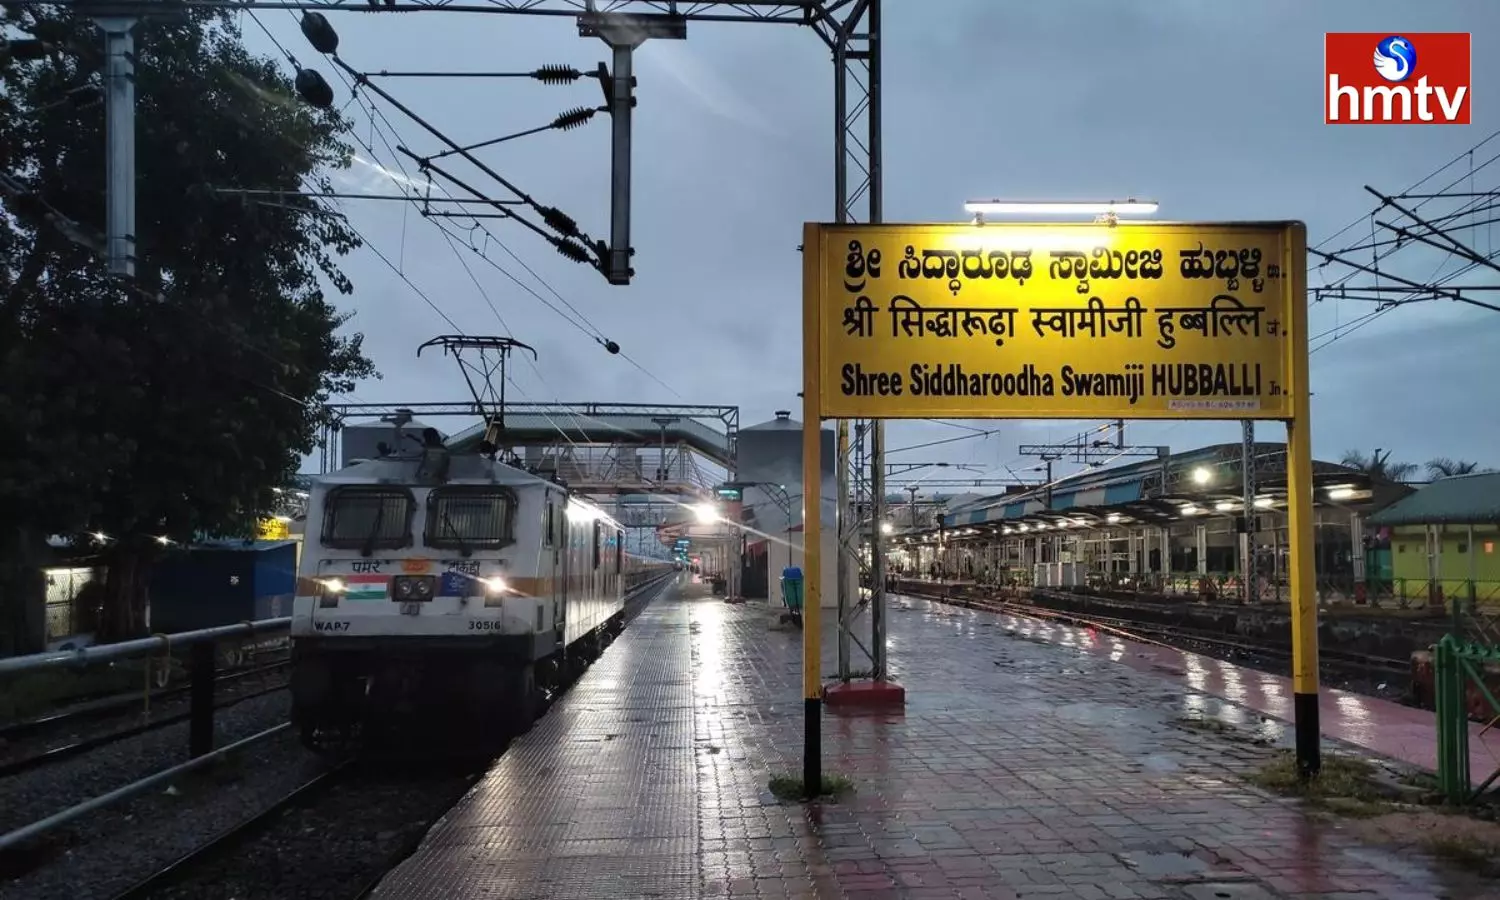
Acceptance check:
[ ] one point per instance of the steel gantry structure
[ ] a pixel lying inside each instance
(849, 28)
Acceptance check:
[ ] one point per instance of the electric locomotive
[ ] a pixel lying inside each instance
(441, 592)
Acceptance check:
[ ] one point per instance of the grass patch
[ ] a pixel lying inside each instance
(1345, 784)
(1200, 723)
(1462, 849)
(38, 693)
(792, 787)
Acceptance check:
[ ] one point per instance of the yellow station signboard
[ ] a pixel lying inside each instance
(272, 529)
(1075, 321)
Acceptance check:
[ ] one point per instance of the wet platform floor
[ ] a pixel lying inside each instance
(1019, 768)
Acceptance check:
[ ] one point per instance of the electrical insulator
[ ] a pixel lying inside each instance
(319, 32)
(570, 249)
(559, 221)
(572, 118)
(612, 347)
(312, 88)
(557, 74)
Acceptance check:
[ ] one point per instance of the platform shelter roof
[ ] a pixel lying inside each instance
(1159, 491)
(1460, 500)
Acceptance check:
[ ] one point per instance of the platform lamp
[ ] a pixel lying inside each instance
(1106, 212)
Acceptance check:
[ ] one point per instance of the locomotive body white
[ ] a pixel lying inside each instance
(437, 590)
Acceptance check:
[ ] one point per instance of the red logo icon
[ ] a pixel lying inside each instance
(1396, 79)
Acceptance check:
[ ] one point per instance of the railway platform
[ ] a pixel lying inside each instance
(1030, 761)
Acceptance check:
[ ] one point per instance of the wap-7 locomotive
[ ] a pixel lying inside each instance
(440, 590)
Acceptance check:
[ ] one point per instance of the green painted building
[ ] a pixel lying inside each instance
(1445, 540)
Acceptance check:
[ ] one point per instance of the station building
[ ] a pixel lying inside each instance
(1174, 525)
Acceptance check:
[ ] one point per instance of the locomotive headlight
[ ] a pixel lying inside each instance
(495, 585)
(424, 588)
(332, 588)
(405, 588)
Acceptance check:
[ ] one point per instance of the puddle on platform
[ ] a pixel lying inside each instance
(1102, 714)
(1388, 863)
(1161, 763)
(1218, 713)
(1182, 867)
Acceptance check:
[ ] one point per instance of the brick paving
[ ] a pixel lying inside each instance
(1019, 769)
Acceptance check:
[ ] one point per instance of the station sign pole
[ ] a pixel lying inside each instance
(1105, 320)
(812, 517)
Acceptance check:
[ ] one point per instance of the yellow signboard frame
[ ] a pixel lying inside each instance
(972, 255)
(1071, 321)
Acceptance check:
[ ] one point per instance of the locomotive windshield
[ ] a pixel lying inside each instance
(367, 518)
(466, 517)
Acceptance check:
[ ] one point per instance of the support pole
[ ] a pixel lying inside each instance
(877, 553)
(119, 136)
(841, 559)
(812, 518)
(622, 104)
(1300, 544)
(877, 427)
(1247, 537)
(201, 700)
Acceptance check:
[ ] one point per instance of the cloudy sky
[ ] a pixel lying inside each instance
(1215, 113)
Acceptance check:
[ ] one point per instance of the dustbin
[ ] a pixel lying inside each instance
(791, 594)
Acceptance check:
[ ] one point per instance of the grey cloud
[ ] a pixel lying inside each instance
(1216, 112)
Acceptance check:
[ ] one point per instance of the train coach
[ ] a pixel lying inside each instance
(442, 592)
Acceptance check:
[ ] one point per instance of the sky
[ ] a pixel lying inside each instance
(1213, 109)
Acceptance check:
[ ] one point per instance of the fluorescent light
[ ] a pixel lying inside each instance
(1059, 208)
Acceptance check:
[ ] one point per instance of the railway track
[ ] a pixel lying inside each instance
(1174, 635)
(77, 745)
(127, 702)
(260, 855)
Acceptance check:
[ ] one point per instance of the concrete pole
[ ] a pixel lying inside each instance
(119, 136)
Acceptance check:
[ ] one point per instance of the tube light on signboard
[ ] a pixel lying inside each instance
(1060, 208)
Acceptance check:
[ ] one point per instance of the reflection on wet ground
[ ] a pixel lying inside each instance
(1257, 701)
(1022, 766)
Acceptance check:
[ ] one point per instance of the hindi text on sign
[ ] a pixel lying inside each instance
(1143, 321)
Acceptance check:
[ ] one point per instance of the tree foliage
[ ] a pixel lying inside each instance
(171, 407)
(1443, 467)
(1378, 465)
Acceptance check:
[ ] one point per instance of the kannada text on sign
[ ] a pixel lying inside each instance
(1056, 321)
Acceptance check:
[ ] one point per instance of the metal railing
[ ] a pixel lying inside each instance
(203, 645)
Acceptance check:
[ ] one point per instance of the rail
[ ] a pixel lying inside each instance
(202, 666)
(203, 754)
(14, 839)
(58, 659)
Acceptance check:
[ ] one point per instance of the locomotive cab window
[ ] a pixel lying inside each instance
(466, 517)
(359, 517)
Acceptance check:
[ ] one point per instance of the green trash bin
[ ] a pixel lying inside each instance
(791, 594)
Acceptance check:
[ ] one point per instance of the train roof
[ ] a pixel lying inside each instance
(463, 468)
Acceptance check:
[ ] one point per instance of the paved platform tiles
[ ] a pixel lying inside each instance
(1019, 769)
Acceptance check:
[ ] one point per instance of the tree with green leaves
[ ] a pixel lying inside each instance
(1379, 465)
(1443, 467)
(171, 407)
